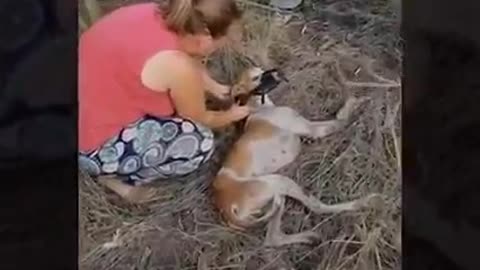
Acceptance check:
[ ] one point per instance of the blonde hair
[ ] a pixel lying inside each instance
(200, 16)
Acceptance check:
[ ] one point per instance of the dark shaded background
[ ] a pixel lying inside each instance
(441, 131)
(38, 120)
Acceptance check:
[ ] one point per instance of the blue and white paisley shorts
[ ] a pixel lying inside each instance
(151, 148)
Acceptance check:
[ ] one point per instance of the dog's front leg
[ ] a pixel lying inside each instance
(288, 119)
(320, 129)
(276, 237)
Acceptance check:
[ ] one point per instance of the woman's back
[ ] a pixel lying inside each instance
(112, 54)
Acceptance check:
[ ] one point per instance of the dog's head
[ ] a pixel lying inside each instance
(248, 81)
(255, 81)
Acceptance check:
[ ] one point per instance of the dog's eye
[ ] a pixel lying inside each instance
(234, 209)
(256, 78)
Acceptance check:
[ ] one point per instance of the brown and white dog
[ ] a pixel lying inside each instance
(247, 190)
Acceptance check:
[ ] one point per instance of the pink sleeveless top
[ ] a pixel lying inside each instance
(112, 54)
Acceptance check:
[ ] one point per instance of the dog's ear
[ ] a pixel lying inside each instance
(248, 81)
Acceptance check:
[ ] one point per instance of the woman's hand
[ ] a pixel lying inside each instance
(239, 112)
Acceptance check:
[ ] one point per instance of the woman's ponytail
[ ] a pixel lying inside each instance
(179, 15)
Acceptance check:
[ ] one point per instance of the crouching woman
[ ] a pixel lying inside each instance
(142, 92)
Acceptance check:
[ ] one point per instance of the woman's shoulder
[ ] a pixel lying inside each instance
(167, 66)
(172, 60)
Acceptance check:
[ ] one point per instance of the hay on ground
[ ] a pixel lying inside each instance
(182, 231)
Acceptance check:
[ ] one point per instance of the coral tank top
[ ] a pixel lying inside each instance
(112, 54)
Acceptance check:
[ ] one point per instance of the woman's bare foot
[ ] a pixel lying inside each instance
(132, 194)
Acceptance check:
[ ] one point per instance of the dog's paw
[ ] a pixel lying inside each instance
(339, 125)
(308, 237)
(374, 201)
(352, 103)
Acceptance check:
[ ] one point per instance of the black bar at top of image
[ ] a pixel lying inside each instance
(441, 135)
(38, 134)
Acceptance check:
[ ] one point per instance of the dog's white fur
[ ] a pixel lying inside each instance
(247, 182)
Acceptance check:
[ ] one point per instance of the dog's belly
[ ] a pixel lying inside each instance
(272, 154)
(281, 116)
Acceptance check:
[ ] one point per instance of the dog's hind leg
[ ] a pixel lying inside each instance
(276, 237)
(285, 186)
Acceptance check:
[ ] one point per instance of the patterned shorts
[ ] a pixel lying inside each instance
(150, 149)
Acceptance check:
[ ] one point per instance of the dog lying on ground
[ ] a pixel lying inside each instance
(247, 191)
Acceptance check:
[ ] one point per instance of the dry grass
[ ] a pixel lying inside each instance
(182, 230)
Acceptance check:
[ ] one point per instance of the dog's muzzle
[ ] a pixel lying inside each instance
(269, 80)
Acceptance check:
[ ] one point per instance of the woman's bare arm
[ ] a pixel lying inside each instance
(179, 73)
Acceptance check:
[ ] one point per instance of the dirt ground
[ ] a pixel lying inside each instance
(328, 49)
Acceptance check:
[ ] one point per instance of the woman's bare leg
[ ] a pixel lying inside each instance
(132, 194)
